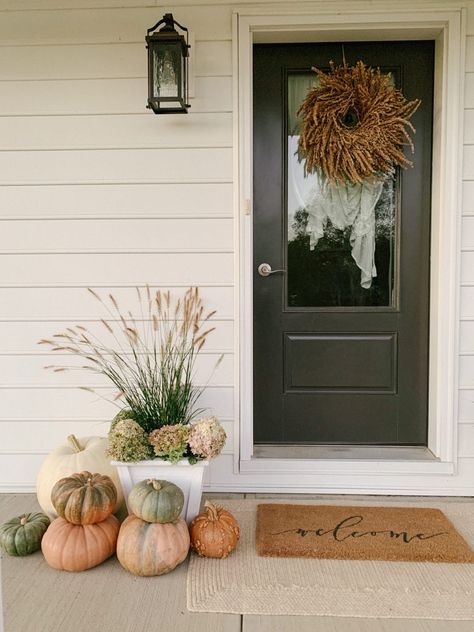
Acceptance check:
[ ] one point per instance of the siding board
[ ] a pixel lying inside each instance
(114, 166)
(109, 234)
(19, 338)
(101, 25)
(115, 268)
(123, 132)
(79, 97)
(64, 403)
(98, 61)
(116, 200)
(29, 371)
(77, 305)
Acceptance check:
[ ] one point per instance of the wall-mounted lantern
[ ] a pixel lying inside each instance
(167, 67)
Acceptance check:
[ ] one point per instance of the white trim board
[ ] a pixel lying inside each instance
(290, 23)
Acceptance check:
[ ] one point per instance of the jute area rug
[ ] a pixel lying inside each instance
(246, 583)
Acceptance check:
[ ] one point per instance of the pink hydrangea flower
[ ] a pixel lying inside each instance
(207, 438)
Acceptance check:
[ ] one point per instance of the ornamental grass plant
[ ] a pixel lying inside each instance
(150, 359)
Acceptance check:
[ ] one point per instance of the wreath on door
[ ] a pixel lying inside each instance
(355, 124)
(354, 127)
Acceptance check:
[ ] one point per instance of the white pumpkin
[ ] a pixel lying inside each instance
(77, 455)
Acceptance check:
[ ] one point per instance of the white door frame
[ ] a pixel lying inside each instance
(290, 23)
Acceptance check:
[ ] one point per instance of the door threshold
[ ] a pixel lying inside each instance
(344, 452)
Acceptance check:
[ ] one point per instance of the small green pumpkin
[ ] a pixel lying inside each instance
(22, 535)
(156, 501)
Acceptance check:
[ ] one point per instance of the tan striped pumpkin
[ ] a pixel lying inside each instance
(84, 498)
(147, 549)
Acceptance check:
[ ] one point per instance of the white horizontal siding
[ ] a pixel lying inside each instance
(131, 166)
(106, 26)
(58, 403)
(100, 61)
(115, 132)
(122, 235)
(100, 192)
(19, 370)
(117, 200)
(103, 96)
(75, 304)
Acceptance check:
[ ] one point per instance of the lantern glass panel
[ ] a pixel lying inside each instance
(167, 70)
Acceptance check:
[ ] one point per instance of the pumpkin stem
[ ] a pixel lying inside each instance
(211, 510)
(75, 443)
(156, 484)
(23, 520)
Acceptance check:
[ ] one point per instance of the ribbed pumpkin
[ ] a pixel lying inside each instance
(23, 535)
(215, 532)
(84, 498)
(156, 501)
(76, 455)
(148, 549)
(74, 547)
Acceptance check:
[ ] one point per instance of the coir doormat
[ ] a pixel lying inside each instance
(359, 533)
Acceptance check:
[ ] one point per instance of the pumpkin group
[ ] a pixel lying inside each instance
(154, 539)
(22, 535)
(85, 534)
(76, 455)
(215, 532)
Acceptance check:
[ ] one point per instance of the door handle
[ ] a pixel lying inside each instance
(265, 269)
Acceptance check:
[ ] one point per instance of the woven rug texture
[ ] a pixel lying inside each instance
(359, 533)
(246, 583)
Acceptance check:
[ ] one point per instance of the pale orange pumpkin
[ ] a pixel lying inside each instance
(71, 547)
(148, 549)
(215, 532)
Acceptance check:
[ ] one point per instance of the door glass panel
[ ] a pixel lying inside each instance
(341, 239)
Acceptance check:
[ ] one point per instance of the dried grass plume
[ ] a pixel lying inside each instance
(355, 124)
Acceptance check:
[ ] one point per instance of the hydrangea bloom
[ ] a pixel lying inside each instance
(170, 442)
(207, 438)
(128, 442)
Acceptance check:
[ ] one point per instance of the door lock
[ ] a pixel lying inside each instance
(265, 269)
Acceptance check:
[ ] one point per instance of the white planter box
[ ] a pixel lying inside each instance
(187, 477)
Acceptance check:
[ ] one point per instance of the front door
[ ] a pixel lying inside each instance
(341, 333)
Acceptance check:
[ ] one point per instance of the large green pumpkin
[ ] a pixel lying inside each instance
(22, 535)
(156, 501)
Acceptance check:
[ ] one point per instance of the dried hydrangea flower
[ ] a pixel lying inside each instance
(207, 438)
(128, 442)
(170, 442)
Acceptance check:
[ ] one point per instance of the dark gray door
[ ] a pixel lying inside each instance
(340, 351)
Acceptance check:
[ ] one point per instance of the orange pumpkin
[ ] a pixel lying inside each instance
(147, 549)
(71, 547)
(215, 532)
(84, 498)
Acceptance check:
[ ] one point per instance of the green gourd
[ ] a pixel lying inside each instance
(22, 535)
(156, 501)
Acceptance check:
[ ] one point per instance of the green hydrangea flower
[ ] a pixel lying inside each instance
(170, 442)
(128, 442)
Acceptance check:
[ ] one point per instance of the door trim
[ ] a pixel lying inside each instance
(446, 25)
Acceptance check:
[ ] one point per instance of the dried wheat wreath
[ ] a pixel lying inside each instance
(354, 124)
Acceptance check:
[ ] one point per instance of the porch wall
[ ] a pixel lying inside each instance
(97, 192)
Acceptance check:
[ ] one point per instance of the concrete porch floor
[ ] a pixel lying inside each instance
(170, 613)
